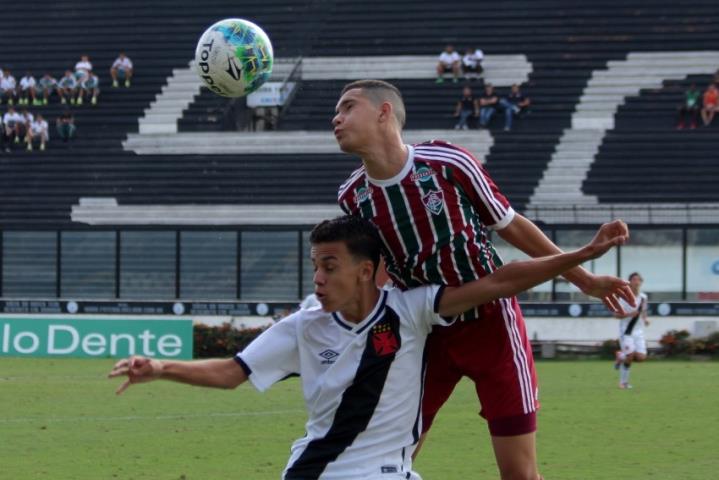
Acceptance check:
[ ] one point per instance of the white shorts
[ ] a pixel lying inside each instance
(633, 343)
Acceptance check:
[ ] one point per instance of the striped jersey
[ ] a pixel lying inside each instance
(433, 216)
(633, 324)
(362, 384)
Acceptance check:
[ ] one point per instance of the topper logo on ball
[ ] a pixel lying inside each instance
(204, 66)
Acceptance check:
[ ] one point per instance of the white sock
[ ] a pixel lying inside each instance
(623, 373)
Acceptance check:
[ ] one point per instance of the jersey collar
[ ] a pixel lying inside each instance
(369, 320)
(408, 164)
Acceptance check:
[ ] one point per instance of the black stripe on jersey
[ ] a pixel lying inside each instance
(356, 408)
(633, 322)
(416, 428)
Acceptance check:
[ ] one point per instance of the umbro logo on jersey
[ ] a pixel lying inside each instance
(434, 201)
(233, 69)
(362, 194)
(329, 356)
(422, 174)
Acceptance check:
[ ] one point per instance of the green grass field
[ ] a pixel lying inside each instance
(60, 419)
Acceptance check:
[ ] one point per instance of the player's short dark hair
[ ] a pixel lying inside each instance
(635, 274)
(379, 91)
(360, 236)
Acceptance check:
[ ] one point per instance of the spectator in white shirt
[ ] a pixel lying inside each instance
(12, 122)
(90, 87)
(67, 87)
(121, 69)
(45, 86)
(8, 87)
(472, 63)
(449, 62)
(38, 131)
(27, 90)
(83, 68)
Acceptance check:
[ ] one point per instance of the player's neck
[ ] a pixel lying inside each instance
(385, 159)
(362, 306)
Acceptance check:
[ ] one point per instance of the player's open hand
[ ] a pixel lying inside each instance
(609, 289)
(137, 370)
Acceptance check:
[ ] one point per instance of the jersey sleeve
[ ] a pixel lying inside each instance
(492, 206)
(423, 305)
(273, 355)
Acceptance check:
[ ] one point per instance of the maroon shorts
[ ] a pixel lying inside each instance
(496, 354)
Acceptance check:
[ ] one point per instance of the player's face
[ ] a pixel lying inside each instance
(636, 283)
(337, 275)
(355, 117)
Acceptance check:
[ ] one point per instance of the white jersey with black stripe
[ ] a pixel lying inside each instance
(638, 324)
(362, 384)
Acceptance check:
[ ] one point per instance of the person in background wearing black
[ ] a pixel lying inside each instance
(467, 105)
(514, 104)
(66, 126)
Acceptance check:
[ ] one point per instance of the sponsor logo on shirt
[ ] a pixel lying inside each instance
(329, 356)
(362, 194)
(434, 201)
(422, 174)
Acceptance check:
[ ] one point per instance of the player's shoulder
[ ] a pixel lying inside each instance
(354, 177)
(441, 150)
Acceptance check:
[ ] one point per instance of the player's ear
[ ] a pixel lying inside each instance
(366, 271)
(386, 112)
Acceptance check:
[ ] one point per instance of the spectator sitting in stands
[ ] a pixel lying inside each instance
(487, 105)
(27, 119)
(449, 62)
(514, 104)
(27, 89)
(711, 104)
(46, 85)
(65, 126)
(89, 87)
(472, 63)
(690, 107)
(466, 106)
(66, 87)
(38, 131)
(83, 68)
(12, 122)
(3, 138)
(8, 87)
(122, 69)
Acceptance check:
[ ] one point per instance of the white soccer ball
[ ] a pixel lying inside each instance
(234, 57)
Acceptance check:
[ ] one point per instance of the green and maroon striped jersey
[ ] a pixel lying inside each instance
(433, 216)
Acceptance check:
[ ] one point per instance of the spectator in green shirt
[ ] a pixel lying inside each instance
(690, 108)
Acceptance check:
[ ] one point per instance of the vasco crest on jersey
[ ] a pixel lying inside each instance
(384, 340)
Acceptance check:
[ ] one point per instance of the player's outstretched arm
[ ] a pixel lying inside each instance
(526, 236)
(516, 277)
(217, 373)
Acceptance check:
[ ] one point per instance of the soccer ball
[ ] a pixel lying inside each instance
(234, 57)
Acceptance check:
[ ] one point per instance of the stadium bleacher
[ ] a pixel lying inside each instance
(564, 43)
